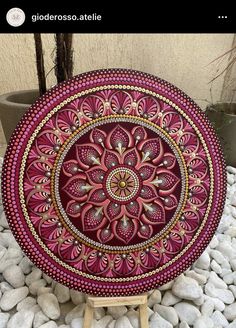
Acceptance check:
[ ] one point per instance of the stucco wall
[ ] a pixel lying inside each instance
(179, 58)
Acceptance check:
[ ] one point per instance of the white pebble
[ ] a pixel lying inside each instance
(168, 313)
(49, 324)
(26, 304)
(217, 281)
(36, 274)
(35, 285)
(62, 293)
(104, 322)
(116, 311)
(49, 305)
(3, 221)
(77, 297)
(229, 278)
(183, 324)
(133, 317)
(123, 322)
(216, 267)
(13, 296)
(203, 262)
(231, 169)
(186, 288)
(170, 299)
(203, 322)
(219, 319)
(187, 312)
(230, 179)
(166, 286)
(76, 312)
(77, 323)
(233, 289)
(44, 290)
(21, 319)
(200, 278)
(25, 265)
(157, 321)
(154, 298)
(4, 286)
(98, 313)
(230, 312)
(214, 242)
(4, 317)
(39, 319)
(224, 295)
(207, 308)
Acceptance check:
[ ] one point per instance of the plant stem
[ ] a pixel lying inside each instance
(64, 56)
(40, 63)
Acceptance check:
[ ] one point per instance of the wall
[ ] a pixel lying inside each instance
(182, 59)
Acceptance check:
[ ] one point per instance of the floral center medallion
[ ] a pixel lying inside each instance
(121, 182)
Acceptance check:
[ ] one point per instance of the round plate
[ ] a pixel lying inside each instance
(114, 182)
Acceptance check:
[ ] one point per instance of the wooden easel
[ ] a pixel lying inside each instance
(94, 302)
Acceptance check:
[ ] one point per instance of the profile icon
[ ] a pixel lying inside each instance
(15, 17)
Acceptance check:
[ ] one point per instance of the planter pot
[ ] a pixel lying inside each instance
(12, 107)
(223, 118)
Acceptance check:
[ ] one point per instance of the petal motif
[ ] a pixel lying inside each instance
(73, 208)
(98, 136)
(147, 171)
(77, 188)
(148, 107)
(131, 157)
(133, 208)
(121, 102)
(125, 229)
(124, 265)
(48, 143)
(67, 120)
(92, 107)
(145, 231)
(148, 192)
(70, 167)
(139, 133)
(198, 195)
(197, 168)
(113, 211)
(88, 155)
(37, 172)
(152, 150)
(169, 160)
(170, 202)
(172, 122)
(109, 159)
(92, 218)
(95, 175)
(97, 263)
(97, 196)
(167, 181)
(104, 235)
(154, 213)
(119, 139)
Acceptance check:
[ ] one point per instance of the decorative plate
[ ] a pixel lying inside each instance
(114, 182)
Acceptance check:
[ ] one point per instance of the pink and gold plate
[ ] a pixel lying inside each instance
(114, 182)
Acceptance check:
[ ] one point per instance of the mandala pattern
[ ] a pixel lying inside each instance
(114, 182)
(120, 184)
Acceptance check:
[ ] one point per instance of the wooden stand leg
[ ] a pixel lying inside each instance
(96, 302)
(88, 316)
(143, 315)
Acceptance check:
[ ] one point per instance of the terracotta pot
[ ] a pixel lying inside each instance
(223, 118)
(12, 107)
